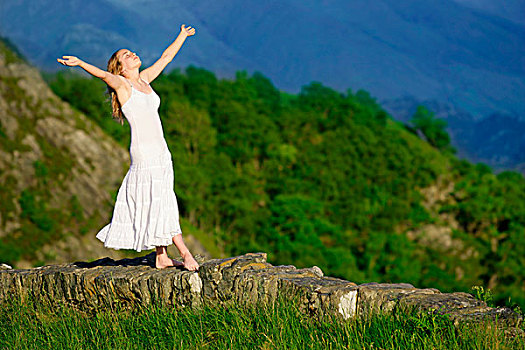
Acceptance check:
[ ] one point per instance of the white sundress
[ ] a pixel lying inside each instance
(146, 214)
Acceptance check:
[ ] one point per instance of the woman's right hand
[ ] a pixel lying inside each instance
(70, 61)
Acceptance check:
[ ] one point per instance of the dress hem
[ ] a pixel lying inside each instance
(121, 245)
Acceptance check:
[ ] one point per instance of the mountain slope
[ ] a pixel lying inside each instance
(57, 171)
(433, 50)
(468, 55)
(496, 140)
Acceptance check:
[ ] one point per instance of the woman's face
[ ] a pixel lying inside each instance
(129, 60)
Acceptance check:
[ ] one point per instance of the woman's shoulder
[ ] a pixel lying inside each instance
(144, 76)
(125, 92)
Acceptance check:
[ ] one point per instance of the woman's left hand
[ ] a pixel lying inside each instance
(189, 31)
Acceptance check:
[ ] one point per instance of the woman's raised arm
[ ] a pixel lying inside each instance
(149, 74)
(112, 80)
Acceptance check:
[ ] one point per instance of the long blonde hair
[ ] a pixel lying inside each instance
(115, 67)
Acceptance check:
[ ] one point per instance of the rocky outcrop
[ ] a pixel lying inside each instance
(58, 161)
(247, 278)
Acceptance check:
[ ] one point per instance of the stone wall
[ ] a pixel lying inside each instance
(243, 279)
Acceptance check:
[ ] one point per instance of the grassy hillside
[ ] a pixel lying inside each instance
(329, 179)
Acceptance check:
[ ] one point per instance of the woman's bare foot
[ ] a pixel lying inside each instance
(163, 262)
(190, 263)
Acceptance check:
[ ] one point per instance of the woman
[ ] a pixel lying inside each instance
(146, 215)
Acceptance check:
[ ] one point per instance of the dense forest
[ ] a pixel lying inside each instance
(330, 179)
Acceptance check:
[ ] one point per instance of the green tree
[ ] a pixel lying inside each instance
(432, 128)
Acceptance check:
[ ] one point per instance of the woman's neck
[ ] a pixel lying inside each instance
(133, 75)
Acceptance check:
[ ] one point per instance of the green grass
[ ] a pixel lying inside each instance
(34, 326)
